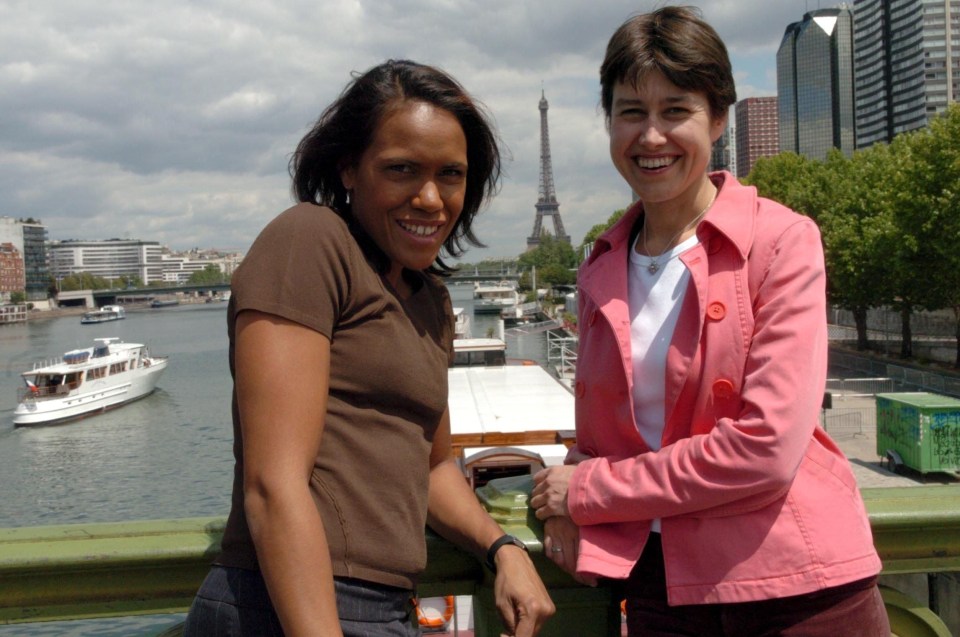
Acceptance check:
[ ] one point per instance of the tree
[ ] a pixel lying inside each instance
(935, 213)
(787, 178)
(83, 281)
(599, 229)
(555, 261)
(18, 297)
(209, 275)
(856, 225)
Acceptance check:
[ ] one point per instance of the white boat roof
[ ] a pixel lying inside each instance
(507, 399)
(477, 344)
(117, 348)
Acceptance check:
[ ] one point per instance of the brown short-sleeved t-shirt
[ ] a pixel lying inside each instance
(388, 391)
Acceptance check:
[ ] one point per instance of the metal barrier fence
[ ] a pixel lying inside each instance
(853, 387)
(885, 324)
(903, 378)
(847, 422)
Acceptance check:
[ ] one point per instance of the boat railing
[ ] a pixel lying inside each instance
(32, 393)
(133, 568)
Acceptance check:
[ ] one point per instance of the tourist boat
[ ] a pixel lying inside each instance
(104, 314)
(86, 381)
(495, 298)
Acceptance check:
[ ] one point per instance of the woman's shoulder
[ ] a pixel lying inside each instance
(310, 215)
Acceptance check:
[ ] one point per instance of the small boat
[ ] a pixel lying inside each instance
(104, 314)
(87, 381)
(496, 298)
(166, 302)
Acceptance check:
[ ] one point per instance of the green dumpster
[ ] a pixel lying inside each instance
(919, 430)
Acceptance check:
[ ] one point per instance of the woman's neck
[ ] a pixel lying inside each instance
(669, 223)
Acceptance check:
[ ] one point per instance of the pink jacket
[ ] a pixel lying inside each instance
(756, 500)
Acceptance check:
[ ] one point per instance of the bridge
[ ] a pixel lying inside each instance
(467, 276)
(111, 296)
(128, 568)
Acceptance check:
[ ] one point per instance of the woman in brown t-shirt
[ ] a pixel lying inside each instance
(340, 332)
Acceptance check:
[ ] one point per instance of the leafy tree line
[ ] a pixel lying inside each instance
(210, 275)
(890, 220)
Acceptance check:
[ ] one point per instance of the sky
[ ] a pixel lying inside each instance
(174, 121)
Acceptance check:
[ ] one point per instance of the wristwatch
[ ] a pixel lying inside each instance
(502, 541)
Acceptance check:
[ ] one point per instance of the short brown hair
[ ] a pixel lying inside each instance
(678, 43)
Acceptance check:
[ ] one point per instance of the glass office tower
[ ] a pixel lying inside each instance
(815, 84)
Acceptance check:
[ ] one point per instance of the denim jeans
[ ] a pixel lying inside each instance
(851, 610)
(234, 602)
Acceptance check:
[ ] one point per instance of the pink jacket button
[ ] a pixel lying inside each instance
(722, 388)
(716, 310)
(580, 390)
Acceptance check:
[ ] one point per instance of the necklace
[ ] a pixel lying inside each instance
(654, 266)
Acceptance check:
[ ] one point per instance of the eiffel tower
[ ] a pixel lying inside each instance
(547, 203)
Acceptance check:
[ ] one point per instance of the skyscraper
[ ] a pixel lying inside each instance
(906, 67)
(815, 84)
(758, 133)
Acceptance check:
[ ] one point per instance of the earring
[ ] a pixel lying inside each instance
(348, 197)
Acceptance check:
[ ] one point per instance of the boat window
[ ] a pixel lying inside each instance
(479, 358)
(116, 368)
(100, 350)
(97, 372)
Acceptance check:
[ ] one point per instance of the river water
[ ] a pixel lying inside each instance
(165, 456)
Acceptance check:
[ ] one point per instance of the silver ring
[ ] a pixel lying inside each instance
(556, 549)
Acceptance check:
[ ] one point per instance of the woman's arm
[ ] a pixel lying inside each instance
(282, 378)
(455, 513)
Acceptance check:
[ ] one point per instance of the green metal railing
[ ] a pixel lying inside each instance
(102, 570)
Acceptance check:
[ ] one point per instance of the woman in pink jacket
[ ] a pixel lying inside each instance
(700, 476)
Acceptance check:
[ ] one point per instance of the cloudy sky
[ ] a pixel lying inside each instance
(173, 121)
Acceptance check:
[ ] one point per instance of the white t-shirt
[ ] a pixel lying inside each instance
(655, 300)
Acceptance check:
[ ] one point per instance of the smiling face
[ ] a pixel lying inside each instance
(660, 141)
(408, 186)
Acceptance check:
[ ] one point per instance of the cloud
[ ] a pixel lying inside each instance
(174, 121)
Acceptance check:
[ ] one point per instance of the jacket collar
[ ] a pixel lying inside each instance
(726, 216)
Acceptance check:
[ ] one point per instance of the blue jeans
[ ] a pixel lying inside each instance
(234, 602)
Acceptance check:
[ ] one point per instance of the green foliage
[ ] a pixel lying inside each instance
(555, 261)
(83, 281)
(18, 297)
(889, 216)
(599, 229)
(209, 275)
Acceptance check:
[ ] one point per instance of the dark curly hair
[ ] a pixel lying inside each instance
(346, 128)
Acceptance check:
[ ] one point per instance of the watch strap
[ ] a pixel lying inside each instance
(502, 541)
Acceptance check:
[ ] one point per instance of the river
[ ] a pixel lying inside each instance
(165, 456)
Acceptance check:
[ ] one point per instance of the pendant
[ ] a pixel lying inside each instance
(653, 266)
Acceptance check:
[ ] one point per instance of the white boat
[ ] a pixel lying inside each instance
(104, 314)
(86, 381)
(495, 298)
(461, 328)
